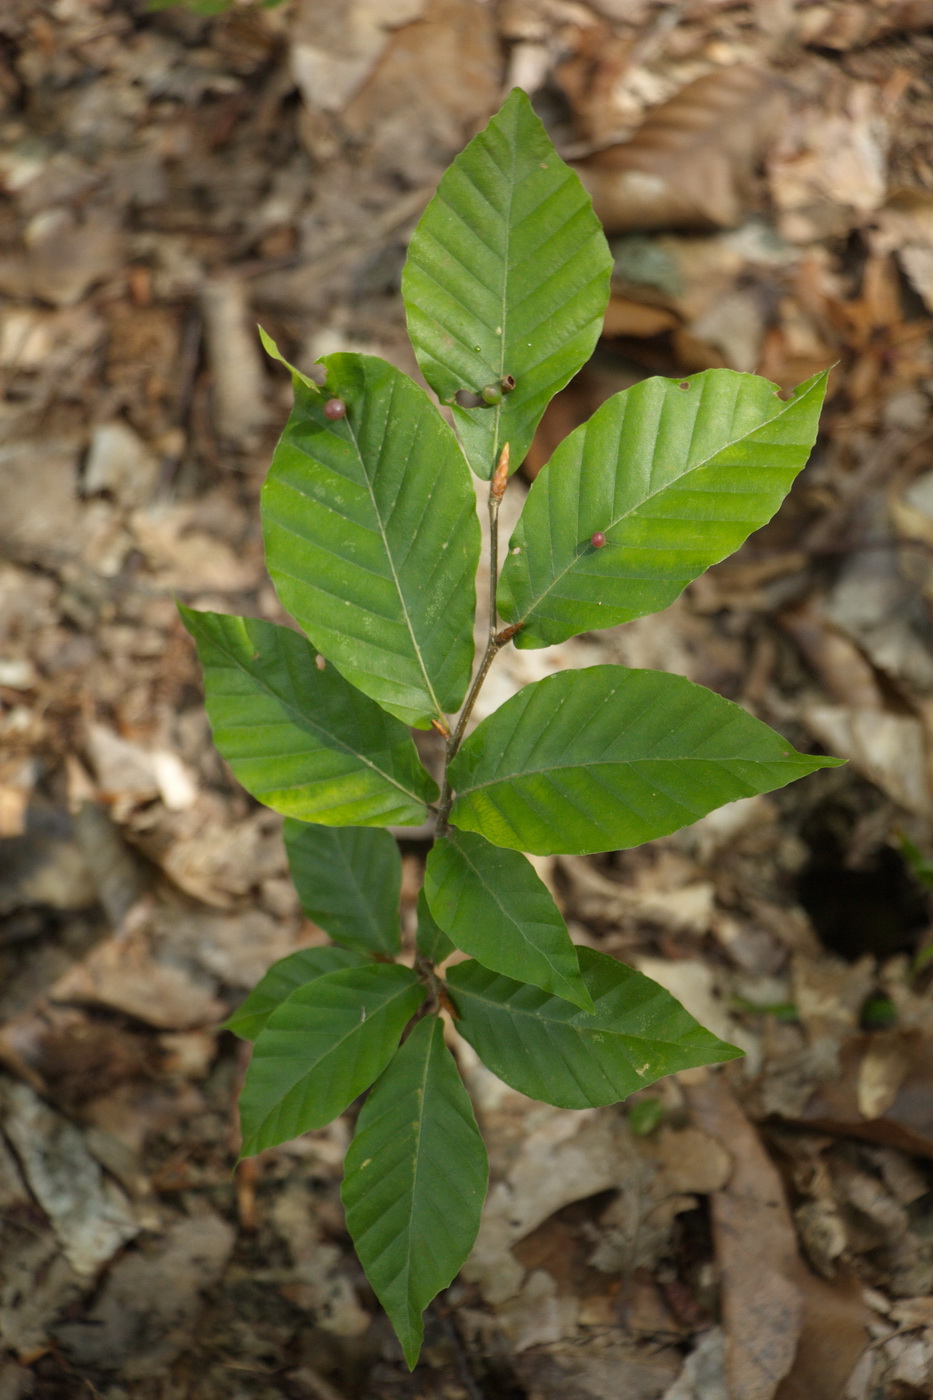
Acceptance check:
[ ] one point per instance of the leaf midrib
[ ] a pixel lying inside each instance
(302, 722)
(510, 918)
(587, 765)
(359, 893)
(667, 486)
(391, 561)
(583, 1031)
(417, 1154)
(311, 1066)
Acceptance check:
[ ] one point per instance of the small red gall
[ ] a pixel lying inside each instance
(334, 409)
(598, 539)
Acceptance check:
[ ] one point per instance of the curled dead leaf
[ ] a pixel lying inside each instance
(692, 161)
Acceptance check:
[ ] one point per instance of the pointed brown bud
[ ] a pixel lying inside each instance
(441, 727)
(507, 634)
(500, 477)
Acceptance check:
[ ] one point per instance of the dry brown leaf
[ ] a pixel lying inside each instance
(123, 973)
(447, 65)
(335, 47)
(691, 162)
(835, 1333)
(90, 1215)
(905, 227)
(907, 1122)
(636, 318)
(756, 1250)
(238, 382)
(853, 26)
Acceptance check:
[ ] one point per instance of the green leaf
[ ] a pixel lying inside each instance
(675, 474)
(507, 274)
(283, 978)
(432, 942)
(372, 538)
(299, 737)
(415, 1179)
(349, 880)
(321, 1048)
(604, 758)
(493, 905)
(544, 1048)
(274, 353)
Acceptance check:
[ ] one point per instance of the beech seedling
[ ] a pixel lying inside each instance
(373, 544)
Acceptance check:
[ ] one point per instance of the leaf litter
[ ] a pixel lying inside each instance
(173, 179)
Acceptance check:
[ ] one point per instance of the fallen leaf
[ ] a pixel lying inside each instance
(125, 974)
(149, 1307)
(90, 1215)
(834, 1336)
(692, 160)
(756, 1250)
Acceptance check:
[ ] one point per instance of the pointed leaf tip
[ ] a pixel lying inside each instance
(606, 758)
(506, 283)
(658, 485)
(414, 1181)
(546, 1049)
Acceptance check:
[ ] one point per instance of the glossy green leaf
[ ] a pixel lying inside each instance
(415, 1180)
(372, 537)
(432, 942)
(321, 1048)
(604, 758)
(675, 474)
(544, 1048)
(299, 737)
(349, 880)
(283, 978)
(507, 274)
(492, 905)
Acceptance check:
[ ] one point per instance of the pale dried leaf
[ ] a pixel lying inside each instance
(692, 160)
(91, 1216)
(755, 1249)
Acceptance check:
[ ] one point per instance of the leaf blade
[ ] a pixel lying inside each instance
(507, 274)
(372, 538)
(675, 474)
(283, 978)
(416, 1146)
(544, 1048)
(349, 881)
(431, 940)
(604, 758)
(321, 1048)
(493, 905)
(276, 717)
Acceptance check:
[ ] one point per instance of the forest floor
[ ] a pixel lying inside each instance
(765, 174)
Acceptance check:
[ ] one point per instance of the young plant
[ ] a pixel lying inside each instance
(373, 543)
